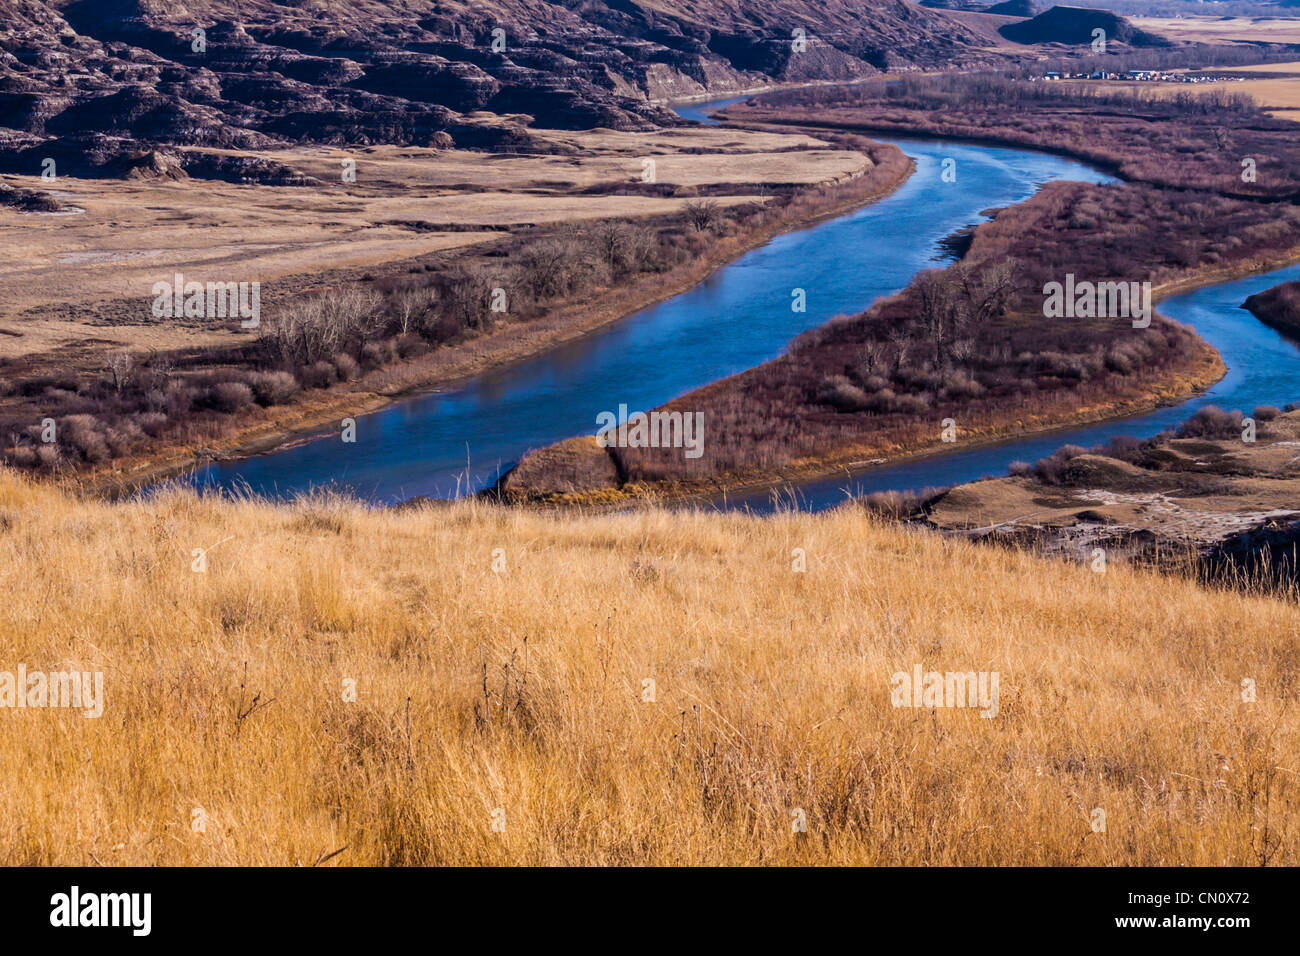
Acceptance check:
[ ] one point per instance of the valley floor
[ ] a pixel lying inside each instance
(84, 294)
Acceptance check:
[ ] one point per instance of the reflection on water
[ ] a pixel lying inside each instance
(449, 443)
(740, 317)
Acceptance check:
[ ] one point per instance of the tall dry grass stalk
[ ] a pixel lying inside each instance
(517, 696)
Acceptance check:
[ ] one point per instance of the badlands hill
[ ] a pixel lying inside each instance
(1074, 26)
(89, 82)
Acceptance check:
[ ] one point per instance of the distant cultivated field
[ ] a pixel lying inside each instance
(122, 236)
(1279, 94)
(1271, 90)
(1223, 29)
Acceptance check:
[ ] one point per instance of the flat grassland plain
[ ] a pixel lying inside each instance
(1225, 30)
(1275, 86)
(1276, 90)
(645, 688)
(119, 237)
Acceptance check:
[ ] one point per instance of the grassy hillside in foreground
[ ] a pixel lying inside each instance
(521, 690)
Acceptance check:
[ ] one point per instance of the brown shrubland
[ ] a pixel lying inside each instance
(1278, 307)
(970, 343)
(1187, 141)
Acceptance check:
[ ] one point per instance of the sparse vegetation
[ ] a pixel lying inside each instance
(1278, 307)
(970, 342)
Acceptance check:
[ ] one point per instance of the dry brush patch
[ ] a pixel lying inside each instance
(521, 689)
(881, 383)
(1183, 141)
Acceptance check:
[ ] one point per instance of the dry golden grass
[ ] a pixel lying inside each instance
(1279, 96)
(522, 690)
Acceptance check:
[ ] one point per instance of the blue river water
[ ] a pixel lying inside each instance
(445, 444)
(1263, 369)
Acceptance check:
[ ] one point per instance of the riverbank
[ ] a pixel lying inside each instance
(1218, 498)
(1193, 142)
(579, 473)
(741, 317)
(582, 456)
(1152, 228)
(314, 413)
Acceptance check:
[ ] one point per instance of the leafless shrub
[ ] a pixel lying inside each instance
(273, 388)
(309, 329)
(47, 457)
(82, 433)
(230, 397)
(840, 393)
(897, 505)
(466, 300)
(550, 267)
(1051, 470)
(119, 366)
(916, 404)
(346, 367)
(152, 424)
(1212, 422)
(621, 246)
(320, 374)
(702, 214)
(377, 354)
(21, 456)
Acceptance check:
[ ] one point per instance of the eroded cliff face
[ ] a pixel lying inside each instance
(1199, 497)
(105, 84)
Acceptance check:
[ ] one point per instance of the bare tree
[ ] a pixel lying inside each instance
(314, 328)
(951, 302)
(466, 296)
(901, 340)
(549, 267)
(120, 365)
(873, 357)
(986, 290)
(609, 240)
(410, 306)
(702, 213)
(939, 311)
(160, 369)
(621, 246)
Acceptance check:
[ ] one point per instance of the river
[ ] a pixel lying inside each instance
(447, 443)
